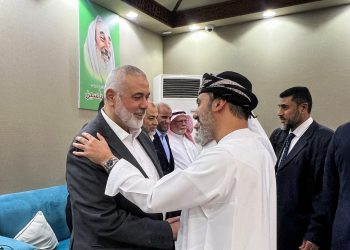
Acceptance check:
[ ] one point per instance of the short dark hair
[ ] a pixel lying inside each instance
(238, 111)
(299, 95)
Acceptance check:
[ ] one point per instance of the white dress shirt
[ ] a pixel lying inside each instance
(134, 146)
(299, 131)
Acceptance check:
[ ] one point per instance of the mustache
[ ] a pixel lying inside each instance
(140, 112)
(106, 54)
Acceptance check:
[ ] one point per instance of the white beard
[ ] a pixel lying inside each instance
(128, 118)
(105, 64)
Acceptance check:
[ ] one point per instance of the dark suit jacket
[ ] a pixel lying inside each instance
(335, 205)
(103, 222)
(277, 139)
(167, 167)
(299, 183)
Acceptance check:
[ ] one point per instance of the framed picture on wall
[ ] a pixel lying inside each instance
(98, 51)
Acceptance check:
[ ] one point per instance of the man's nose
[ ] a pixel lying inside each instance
(144, 103)
(279, 112)
(107, 43)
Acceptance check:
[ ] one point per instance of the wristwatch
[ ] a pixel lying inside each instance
(108, 165)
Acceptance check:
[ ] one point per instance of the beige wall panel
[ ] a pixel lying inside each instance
(39, 87)
(310, 49)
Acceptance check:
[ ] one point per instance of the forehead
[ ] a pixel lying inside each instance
(203, 97)
(287, 100)
(152, 110)
(180, 118)
(164, 110)
(135, 84)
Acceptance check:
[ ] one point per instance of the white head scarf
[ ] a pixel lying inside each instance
(95, 64)
(255, 126)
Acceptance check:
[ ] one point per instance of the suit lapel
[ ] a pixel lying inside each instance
(117, 146)
(302, 142)
(149, 148)
(160, 146)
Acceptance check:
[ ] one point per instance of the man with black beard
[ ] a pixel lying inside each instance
(100, 221)
(299, 173)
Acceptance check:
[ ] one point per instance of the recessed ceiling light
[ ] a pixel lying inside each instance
(132, 15)
(269, 14)
(167, 32)
(193, 27)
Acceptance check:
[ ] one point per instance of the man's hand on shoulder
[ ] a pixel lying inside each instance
(95, 149)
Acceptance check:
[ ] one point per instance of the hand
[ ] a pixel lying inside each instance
(308, 245)
(96, 150)
(175, 225)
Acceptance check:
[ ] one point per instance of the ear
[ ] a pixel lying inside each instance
(304, 107)
(110, 94)
(218, 104)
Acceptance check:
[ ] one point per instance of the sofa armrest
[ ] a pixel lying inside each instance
(12, 244)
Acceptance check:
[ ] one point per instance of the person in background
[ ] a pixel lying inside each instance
(183, 148)
(228, 194)
(277, 139)
(150, 121)
(335, 200)
(161, 139)
(100, 221)
(299, 173)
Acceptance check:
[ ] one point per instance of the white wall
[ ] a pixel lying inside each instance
(39, 87)
(310, 49)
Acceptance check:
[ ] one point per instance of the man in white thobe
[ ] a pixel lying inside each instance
(228, 194)
(183, 148)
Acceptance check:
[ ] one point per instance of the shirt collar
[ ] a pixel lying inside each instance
(160, 134)
(300, 130)
(121, 133)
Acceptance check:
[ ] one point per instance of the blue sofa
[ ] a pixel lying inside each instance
(17, 209)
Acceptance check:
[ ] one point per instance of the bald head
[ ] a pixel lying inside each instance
(164, 116)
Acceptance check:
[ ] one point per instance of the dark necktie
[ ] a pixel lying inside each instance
(286, 148)
(163, 139)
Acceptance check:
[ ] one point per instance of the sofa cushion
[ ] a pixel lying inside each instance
(63, 245)
(15, 244)
(19, 208)
(38, 233)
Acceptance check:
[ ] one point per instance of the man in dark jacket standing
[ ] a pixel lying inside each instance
(299, 173)
(100, 221)
(335, 205)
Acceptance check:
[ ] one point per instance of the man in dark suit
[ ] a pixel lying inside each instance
(335, 203)
(100, 221)
(150, 121)
(161, 140)
(299, 173)
(277, 138)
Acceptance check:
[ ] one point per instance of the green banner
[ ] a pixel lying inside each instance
(99, 51)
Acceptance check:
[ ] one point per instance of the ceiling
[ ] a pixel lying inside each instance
(177, 15)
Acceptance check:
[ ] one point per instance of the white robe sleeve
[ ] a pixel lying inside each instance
(204, 181)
